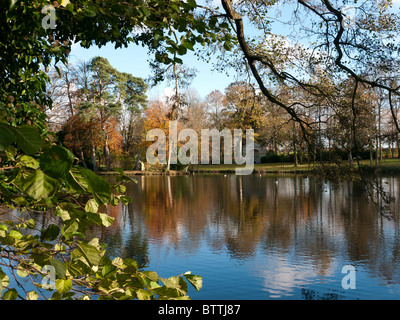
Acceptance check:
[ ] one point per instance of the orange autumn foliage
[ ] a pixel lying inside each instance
(81, 134)
(157, 117)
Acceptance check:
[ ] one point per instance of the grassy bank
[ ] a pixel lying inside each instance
(258, 168)
(384, 166)
(387, 166)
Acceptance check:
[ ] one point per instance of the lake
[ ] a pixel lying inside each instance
(262, 236)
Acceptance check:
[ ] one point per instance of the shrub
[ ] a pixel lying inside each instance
(39, 176)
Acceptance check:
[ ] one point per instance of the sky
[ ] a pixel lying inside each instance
(134, 60)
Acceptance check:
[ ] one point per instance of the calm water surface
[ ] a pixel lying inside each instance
(261, 237)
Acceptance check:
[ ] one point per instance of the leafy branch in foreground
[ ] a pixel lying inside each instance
(40, 179)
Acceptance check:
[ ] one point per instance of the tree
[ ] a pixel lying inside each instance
(340, 51)
(101, 96)
(216, 105)
(36, 175)
(62, 90)
(181, 76)
(134, 105)
(243, 101)
(82, 136)
(157, 117)
(104, 98)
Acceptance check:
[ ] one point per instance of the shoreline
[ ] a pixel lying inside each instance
(194, 172)
(383, 168)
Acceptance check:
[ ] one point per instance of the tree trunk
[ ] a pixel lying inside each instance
(94, 161)
(398, 148)
(370, 154)
(350, 158)
(379, 132)
(107, 157)
(296, 162)
(82, 157)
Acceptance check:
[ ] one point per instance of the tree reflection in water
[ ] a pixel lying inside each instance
(248, 221)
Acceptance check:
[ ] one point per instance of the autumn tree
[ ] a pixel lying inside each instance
(218, 113)
(243, 101)
(108, 103)
(156, 117)
(339, 48)
(180, 77)
(82, 135)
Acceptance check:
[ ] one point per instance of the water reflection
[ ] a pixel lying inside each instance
(273, 237)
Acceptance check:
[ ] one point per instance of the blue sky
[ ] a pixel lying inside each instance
(134, 60)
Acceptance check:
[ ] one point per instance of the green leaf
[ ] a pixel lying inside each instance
(77, 181)
(108, 269)
(154, 285)
(11, 152)
(36, 184)
(174, 287)
(153, 276)
(30, 223)
(85, 180)
(32, 295)
(51, 233)
(29, 162)
(63, 285)
(4, 281)
(11, 294)
(15, 234)
(7, 135)
(195, 281)
(22, 272)
(13, 2)
(102, 219)
(188, 45)
(90, 253)
(56, 161)
(144, 294)
(28, 139)
(59, 268)
(106, 220)
(71, 230)
(228, 46)
(121, 188)
(182, 298)
(169, 292)
(91, 206)
(125, 199)
(132, 265)
(64, 214)
(192, 3)
(74, 269)
(118, 262)
(99, 187)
